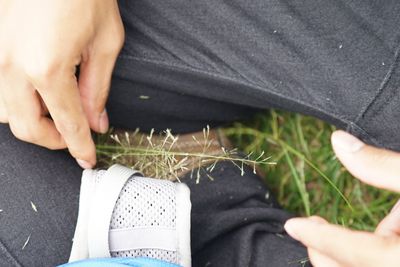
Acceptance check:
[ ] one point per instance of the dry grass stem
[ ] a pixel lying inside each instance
(34, 207)
(159, 156)
(26, 242)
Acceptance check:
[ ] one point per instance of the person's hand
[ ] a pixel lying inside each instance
(329, 245)
(41, 44)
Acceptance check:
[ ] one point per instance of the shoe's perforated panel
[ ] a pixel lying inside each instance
(165, 255)
(146, 202)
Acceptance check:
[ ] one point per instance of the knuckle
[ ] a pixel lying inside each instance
(23, 132)
(114, 47)
(73, 128)
(70, 127)
(40, 71)
(121, 38)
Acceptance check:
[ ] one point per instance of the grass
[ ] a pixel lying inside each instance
(307, 179)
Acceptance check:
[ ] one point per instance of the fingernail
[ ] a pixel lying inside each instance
(84, 164)
(294, 226)
(346, 142)
(291, 227)
(395, 207)
(103, 122)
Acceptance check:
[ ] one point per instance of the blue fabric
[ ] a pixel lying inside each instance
(120, 262)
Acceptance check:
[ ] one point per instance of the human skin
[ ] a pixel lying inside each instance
(333, 246)
(41, 44)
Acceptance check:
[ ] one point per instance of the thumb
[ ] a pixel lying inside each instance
(374, 166)
(390, 225)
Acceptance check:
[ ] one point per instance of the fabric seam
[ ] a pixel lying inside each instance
(381, 88)
(354, 128)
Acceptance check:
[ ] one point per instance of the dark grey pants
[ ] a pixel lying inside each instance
(337, 60)
(211, 62)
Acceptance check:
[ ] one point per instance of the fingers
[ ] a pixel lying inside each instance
(26, 120)
(26, 112)
(377, 167)
(61, 95)
(317, 258)
(320, 260)
(94, 85)
(346, 247)
(21, 106)
(3, 111)
(390, 225)
(95, 79)
(51, 46)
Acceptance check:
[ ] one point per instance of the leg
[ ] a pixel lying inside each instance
(231, 214)
(236, 222)
(51, 181)
(337, 60)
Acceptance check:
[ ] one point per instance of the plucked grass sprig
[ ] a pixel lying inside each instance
(157, 156)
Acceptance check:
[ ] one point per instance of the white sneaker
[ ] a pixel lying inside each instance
(124, 215)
